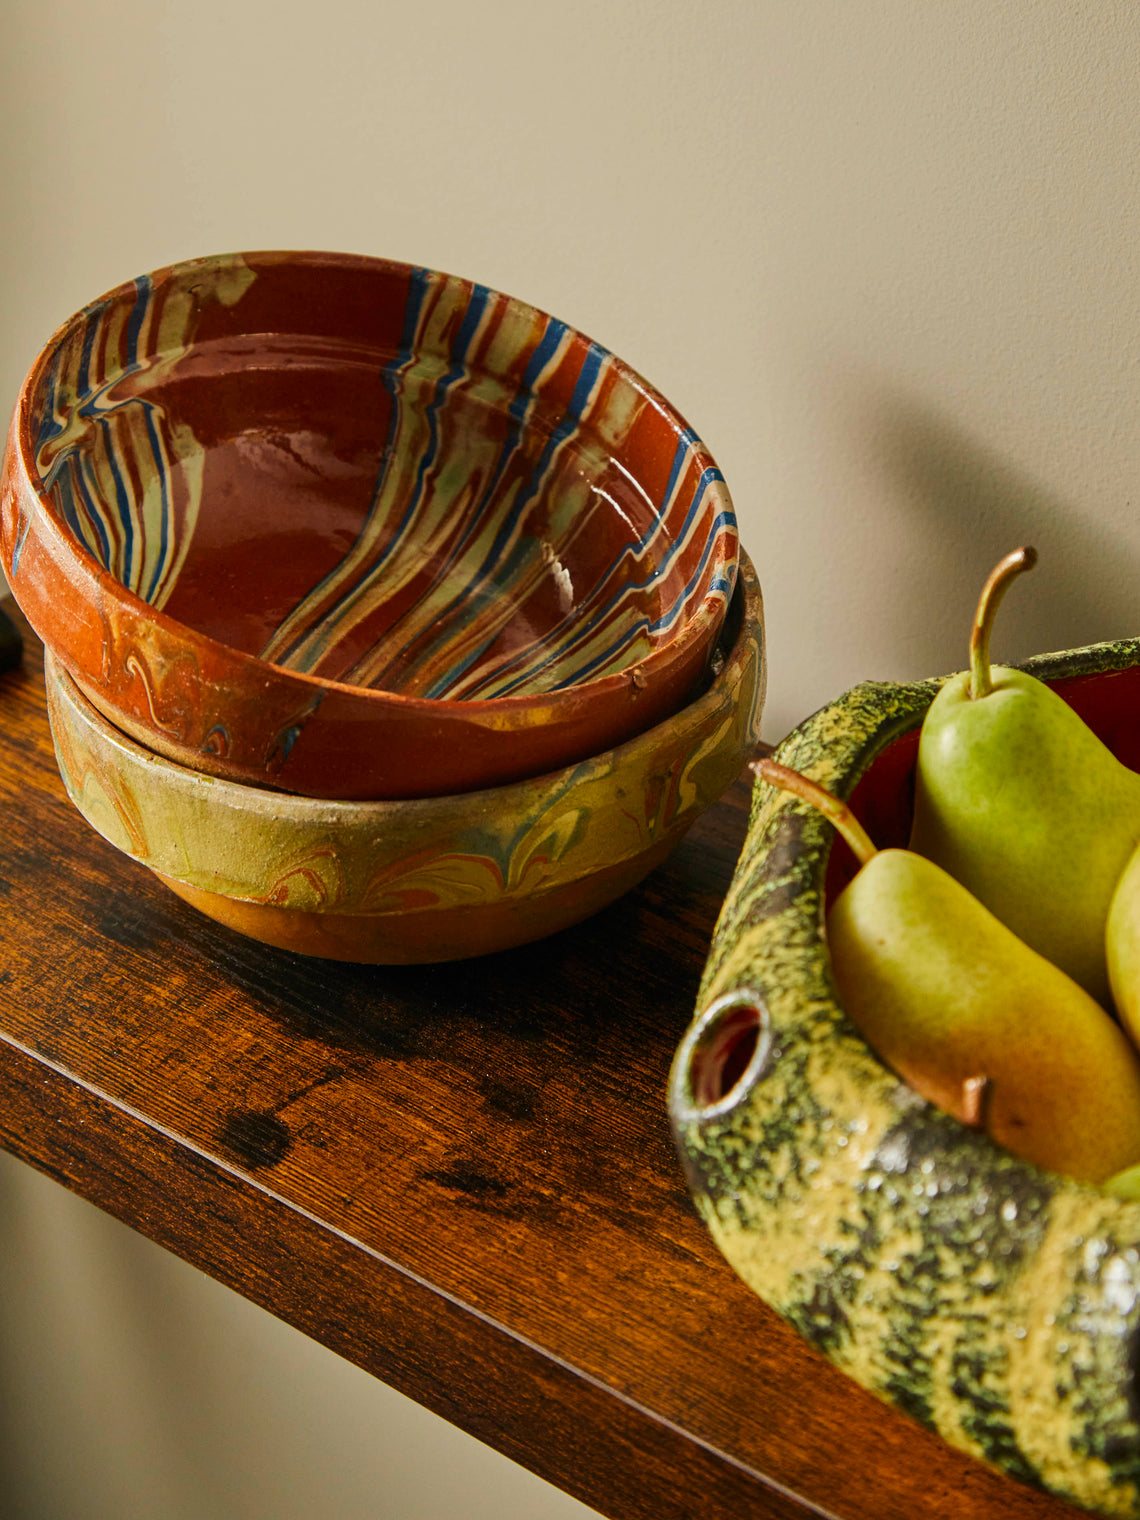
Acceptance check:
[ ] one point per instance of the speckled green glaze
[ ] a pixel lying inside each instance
(995, 1303)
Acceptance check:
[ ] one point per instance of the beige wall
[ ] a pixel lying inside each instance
(883, 253)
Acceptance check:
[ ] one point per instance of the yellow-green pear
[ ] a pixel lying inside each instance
(1122, 946)
(1124, 1185)
(970, 1016)
(1018, 800)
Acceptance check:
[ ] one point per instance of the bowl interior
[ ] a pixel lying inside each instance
(379, 475)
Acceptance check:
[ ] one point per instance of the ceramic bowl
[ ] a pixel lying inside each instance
(992, 1301)
(354, 529)
(428, 879)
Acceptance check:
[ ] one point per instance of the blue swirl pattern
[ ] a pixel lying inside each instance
(487, 564)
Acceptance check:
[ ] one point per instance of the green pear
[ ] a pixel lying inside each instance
(1019, 800)
(970, 1016)
(1124, 1185)
(1122, 946)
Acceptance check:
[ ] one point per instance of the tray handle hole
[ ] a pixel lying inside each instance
(720, 1065)
(727, 1053)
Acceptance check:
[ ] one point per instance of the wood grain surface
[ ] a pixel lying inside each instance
(460, 1177)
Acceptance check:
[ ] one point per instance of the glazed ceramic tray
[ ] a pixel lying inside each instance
(995, 1303)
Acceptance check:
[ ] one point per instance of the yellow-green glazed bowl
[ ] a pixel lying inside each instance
(428, 879)
(994, 1302)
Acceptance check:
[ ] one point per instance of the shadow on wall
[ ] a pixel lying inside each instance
(970, 507)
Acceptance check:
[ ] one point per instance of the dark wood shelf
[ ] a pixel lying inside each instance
(460, 1177)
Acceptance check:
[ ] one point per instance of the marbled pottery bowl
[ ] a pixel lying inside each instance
(992, 1301)
(428, 879)
(355, 529)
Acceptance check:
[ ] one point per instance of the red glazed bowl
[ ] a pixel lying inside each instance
(353, 529)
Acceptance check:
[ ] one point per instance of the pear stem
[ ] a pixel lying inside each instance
(1001, 578)
(832, 809)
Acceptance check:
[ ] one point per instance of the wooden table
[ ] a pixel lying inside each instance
(460, 1177)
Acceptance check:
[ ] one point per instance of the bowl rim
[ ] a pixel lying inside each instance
(66, 548)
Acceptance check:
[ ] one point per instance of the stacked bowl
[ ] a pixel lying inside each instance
(386, 617)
